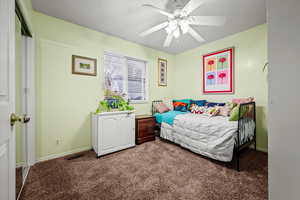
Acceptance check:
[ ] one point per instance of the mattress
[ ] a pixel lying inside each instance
(213, 137)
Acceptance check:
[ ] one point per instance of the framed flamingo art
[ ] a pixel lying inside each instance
(218, 72)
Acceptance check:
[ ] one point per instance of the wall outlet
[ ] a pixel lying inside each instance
(58, 142)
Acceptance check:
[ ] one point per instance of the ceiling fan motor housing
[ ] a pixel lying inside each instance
(178, 4)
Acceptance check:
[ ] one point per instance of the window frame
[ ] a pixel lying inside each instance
(126, 75)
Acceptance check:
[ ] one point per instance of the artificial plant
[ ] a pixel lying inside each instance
(120, 104)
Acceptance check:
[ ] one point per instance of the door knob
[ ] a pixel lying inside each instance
(15, 118)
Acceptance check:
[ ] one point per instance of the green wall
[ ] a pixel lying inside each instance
(64, 100)
(250, 80)
(18, 126)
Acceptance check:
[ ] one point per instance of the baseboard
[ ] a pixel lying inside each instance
(20, 164)
(262, 149)
(63, 154)
(259, 149)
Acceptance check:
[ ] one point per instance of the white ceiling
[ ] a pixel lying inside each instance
(127, 18)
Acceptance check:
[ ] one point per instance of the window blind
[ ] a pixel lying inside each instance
(136, 79)
(126, 75)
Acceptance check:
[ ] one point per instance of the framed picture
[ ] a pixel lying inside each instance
(218, 72)
(162, 72)
(84, 66)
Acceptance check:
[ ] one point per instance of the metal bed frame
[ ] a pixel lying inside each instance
(248, 108)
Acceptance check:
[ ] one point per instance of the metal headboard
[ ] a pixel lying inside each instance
(153, 105)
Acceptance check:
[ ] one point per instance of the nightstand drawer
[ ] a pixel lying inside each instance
(145, 129)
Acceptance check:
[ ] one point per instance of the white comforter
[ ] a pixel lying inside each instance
(209, 136)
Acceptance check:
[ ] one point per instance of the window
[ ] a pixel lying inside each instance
(126, 76)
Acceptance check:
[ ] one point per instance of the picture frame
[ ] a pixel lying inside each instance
(84, 65)
(218, 72)
(162, 72)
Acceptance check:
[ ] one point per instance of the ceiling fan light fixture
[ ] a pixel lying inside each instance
(177, 32)
(184, 26)
(168, 30)
(173, 25)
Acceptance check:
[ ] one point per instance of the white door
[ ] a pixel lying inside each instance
(7, 99)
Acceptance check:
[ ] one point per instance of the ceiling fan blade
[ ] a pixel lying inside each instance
(154, 29)
(168, 40)
(207, 20)
(161, 11)
(195, 35)
(191, 6)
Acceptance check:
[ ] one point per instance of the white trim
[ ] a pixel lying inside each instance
(262, 149)
(28, 98)
(20, 164)
(59, 155)
(115, 112)
(259, 149)
(11, 37)
(26, 172)
(140, 101)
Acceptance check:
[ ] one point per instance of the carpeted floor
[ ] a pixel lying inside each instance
(153, 170)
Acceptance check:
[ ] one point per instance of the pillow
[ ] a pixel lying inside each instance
(186, 101)
(197, 109)
(212, 111)
(243, 100)
(180, 106)
(224, 110)
(234, 115)
(161, 107)
(198, 102)
(212, 104)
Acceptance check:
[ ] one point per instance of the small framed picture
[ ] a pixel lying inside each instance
(84, 66)
(162, 72)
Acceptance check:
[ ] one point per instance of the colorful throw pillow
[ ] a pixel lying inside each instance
(234, 115)
(197, 109)
(161, 107)
(212, 104)
(180, 106)
(212, 111)
(186, 101)
(224, 110)
(243, 100)
(198, 102)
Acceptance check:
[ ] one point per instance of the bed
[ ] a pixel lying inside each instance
(215, 137)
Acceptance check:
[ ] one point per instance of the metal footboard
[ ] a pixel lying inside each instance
(246, 134)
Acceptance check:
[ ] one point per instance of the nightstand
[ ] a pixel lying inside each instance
(144, 128)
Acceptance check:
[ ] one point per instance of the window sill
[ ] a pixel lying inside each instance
(139, 102)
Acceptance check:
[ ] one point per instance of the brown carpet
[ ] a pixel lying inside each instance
(153, 170)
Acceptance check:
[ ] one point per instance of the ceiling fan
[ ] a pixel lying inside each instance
(180, 21)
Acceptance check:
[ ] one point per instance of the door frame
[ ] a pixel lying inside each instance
(28, 105)
(29, 98)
